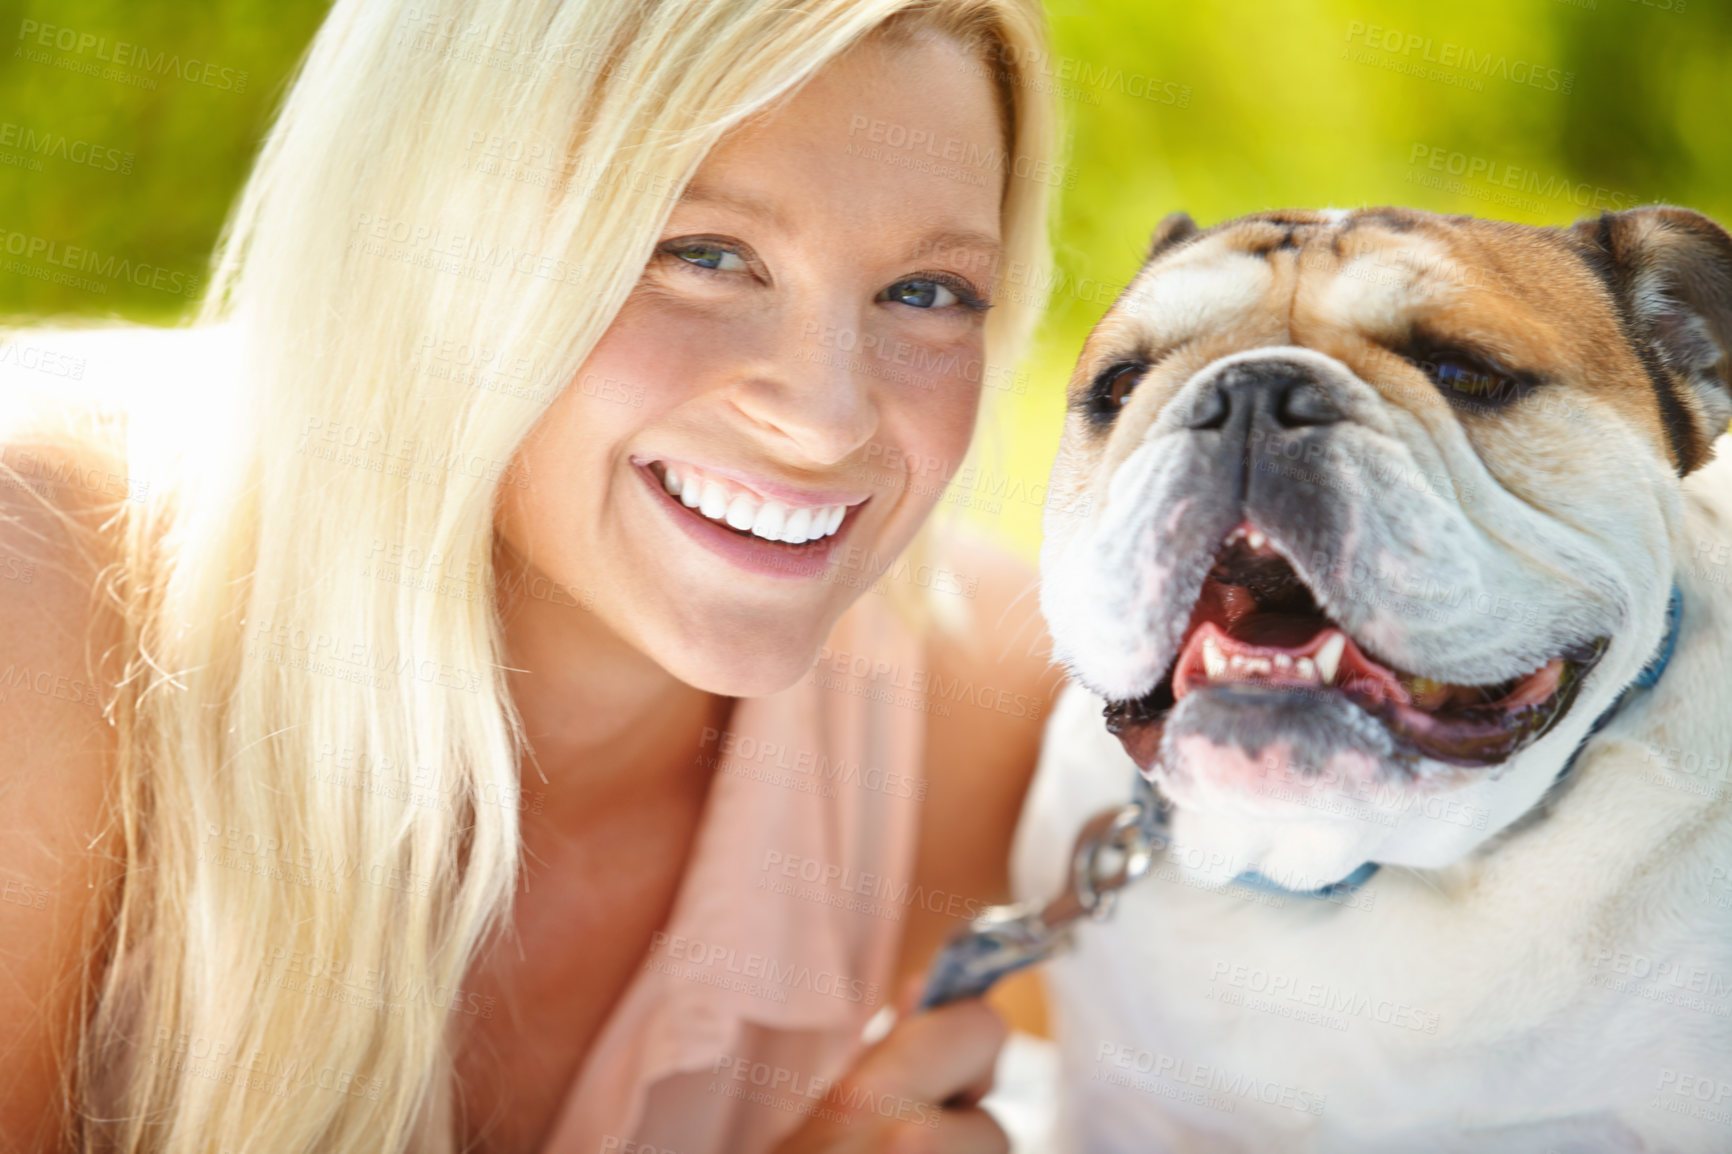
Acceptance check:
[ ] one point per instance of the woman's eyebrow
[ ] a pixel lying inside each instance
(971, 241)
(978, 244)
(740, 202)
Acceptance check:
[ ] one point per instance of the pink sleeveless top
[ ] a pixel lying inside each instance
(782, 939)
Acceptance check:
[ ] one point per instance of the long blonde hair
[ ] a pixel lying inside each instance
(318, 771)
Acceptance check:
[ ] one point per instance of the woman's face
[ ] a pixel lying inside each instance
(810, 323)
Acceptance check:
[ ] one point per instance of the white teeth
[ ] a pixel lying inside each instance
(742, 512)
(1214, 664)
(1257, 539)
(1283, 662)
(714, 503)
(769, 521)
(747, 512)
(1306, 668)
(1329, 657)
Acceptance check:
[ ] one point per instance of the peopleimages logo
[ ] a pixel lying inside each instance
(1502, 175)
(1413, 48)
(34, 252)
(34, 36)
(58, 146)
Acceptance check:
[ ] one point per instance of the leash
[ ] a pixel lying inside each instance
(1116, 847)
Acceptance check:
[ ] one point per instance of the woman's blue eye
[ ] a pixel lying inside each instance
(712, 256)
(921, 294)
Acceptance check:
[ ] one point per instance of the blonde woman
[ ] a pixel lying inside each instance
(452, 701)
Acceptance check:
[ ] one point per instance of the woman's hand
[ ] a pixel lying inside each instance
(917, 1091)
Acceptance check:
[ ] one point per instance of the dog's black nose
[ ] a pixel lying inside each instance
(1275, 393)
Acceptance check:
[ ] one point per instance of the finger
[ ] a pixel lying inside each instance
(971, 1094)
(909, 994)
(932, 1056)
(971, 1131)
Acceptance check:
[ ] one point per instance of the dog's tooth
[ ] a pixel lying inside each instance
(1257, 539)
(1283, 662)
(1329, 657)
(1306, 668)
(1214, 663)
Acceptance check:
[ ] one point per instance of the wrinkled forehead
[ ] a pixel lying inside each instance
(1378, 273)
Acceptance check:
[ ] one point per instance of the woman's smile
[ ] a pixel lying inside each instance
(763, 527)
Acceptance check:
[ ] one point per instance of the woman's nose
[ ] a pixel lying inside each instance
(814, 388)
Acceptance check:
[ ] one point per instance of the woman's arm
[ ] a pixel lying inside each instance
(56, 753)
(992, 688)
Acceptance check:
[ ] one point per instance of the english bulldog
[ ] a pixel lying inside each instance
(1394, 549)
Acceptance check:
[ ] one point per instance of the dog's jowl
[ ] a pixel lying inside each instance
(1397, 554)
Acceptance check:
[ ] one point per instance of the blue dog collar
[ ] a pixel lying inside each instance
(1650, 674)
(1251, 879)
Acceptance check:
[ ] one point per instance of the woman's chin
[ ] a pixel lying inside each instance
(742, 659)
(728, 676)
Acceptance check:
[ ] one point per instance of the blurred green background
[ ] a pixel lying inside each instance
(1540, 111)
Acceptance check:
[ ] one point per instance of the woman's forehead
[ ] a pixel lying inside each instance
(894, 128)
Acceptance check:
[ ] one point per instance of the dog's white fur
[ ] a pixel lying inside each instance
(1584, 566)
(1538, 965)
(1440, 1009)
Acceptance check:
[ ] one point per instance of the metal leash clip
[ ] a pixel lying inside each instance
(1113, 849)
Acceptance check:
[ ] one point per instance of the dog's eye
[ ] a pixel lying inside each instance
(1112, 388)
(1463, 376)
(1471, 380)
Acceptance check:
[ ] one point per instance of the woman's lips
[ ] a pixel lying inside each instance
(794, 520)
(740, 547)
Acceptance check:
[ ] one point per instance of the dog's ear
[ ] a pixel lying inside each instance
(1672, 269)
(1177, 228)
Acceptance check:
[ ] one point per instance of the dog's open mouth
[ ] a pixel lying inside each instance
(1257, 626)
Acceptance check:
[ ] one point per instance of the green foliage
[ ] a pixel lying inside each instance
(1541, 111)
(1290, 106)
(123, 140)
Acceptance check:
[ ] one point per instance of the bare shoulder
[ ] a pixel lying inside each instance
(994, 663)
(57, 849)
(990, 685)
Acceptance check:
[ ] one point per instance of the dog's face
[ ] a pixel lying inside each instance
(1378, 511)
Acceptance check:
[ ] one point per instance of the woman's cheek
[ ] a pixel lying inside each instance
(628, 378)
(925, 428)
(950, 406)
